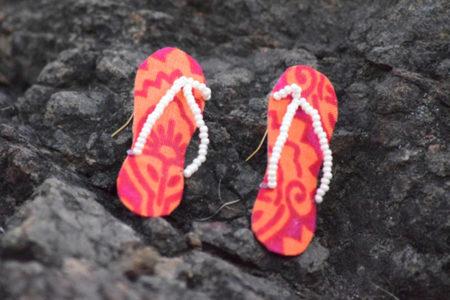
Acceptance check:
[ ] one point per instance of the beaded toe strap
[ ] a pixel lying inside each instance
(187, 84)
(298, 101)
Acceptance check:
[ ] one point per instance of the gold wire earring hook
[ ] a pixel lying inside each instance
(123, 126)
(259, 147)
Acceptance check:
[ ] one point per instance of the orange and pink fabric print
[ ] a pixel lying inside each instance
(151, 184)
(284, 215)
(284, 218)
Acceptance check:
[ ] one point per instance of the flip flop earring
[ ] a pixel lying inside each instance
(169, 97)
(302, 112)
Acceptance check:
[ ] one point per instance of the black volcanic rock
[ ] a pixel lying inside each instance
(66, 81)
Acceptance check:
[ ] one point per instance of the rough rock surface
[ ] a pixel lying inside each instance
(66, 78)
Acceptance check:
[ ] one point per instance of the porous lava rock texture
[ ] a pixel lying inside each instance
(67, 69)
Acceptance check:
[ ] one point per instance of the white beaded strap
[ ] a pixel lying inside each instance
(187, 84)
(297, 102)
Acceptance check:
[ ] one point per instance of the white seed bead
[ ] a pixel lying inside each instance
(157, 113)
(272, 185)
(326, 169)
(171, 94)
(202, 158)
(273, 160)
(272, 173)
(318, 199)
(274, 167)
(203, 135)
(322, 135)
(320, 192)
(325, 188)
(325, 181)
(141, 139)
(327, 164)
(202, 151)
(187, 173)
(200, 123)
(202, 146)
(148, 123)
(203, 129)
(151, 117)
(146, 130)
(190, 101)
(158, 108)
(318, 130)
(327, 175)
(327, 153)
(165, 99)
(205, 141)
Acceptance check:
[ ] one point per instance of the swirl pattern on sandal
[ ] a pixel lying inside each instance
(151, 184)
(284, 218)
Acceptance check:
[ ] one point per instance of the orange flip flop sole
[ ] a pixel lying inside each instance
(284, 218)
(151, 184)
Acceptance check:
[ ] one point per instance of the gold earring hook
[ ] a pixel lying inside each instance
(259, 147)
(123, 126)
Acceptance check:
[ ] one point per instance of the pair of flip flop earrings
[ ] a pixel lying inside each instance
(169, 97)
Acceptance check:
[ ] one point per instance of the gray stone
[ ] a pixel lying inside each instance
(314, 258)
(73, 65)
(61, 221)
(66, 84)
(163, 236)
(67, 105)
(222, 280)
